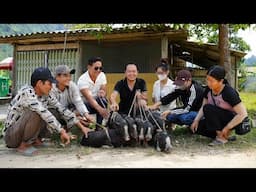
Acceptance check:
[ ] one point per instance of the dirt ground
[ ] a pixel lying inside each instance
(187, 152)
(181, 156)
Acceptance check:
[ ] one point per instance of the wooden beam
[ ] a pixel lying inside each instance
(14, 72)
(86, 36)
(164, 47)
(47, 47)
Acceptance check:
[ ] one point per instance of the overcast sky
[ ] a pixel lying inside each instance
(250, 37)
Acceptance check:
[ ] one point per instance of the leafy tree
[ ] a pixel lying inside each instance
(243, 75)
(204, 33)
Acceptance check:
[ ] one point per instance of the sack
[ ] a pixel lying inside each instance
(243, 127)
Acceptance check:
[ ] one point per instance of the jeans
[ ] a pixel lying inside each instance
(182, 119)
(103, 103)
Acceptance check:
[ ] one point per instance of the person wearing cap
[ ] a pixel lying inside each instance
(222, 109)
(67, 93)
(127, 88)
(191, 94)
(27, 114)
(163, 86)
(92, 85)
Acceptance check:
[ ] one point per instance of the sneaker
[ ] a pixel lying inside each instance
(217, 142)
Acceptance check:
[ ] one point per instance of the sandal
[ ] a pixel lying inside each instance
(44, 144)
(29, 151)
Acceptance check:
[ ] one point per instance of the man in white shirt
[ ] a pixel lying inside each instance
(92, 85)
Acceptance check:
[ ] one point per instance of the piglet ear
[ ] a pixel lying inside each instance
(157, 147)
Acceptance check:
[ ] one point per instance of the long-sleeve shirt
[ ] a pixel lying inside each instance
(70, 96)
(26, 99)
(192, 98)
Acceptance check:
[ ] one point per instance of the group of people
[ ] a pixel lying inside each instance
(51, 104)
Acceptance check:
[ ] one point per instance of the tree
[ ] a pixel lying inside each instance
(225, 35)
(224, 52)
(206, 33)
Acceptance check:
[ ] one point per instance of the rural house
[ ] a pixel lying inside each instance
(142, 45)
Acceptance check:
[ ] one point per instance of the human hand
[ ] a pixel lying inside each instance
(142, 103)
(165, 113)
(104, 113)
(138, 94)
(89, 118)
(101, 93)
(194, 126)
(225, 132)
(86, 130)
(153, 107)
(114, 107)
(65, 138)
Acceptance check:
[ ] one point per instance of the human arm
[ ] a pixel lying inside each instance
(84, 129)
(170, 97)
(165, 113)
(141, 92)
(199, 116)
(102, 91)
(86, 88)
(88, 96)
(142, 98)
(241, 113)
(66, 114)
(154, 92)
(191, 99)
(38, 105)
(74, 95)
(113, 104)
(166, 99)
(231, 96)
(155, 105)
(65, 138)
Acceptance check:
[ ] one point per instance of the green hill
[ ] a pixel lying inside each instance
(251, 61)
(7, 29)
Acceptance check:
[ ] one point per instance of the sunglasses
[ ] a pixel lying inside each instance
(98, 68)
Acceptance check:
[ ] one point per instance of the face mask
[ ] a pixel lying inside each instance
(162, 77)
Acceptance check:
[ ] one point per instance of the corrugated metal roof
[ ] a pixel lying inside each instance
(127, 29)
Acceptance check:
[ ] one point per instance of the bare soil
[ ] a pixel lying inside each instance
(194, 153)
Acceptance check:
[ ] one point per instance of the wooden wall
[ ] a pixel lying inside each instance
(150, 78)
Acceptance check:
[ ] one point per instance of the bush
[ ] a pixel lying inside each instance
(1, 129)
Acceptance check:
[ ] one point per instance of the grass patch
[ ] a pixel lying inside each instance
(74, 131)
(184, 141)
(249, 99)
(1, 129)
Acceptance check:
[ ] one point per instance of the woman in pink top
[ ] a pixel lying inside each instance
(222, 109)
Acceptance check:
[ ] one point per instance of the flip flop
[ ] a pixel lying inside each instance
(30, 151)
(45, 144)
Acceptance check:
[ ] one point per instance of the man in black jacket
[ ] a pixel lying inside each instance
(191, 94)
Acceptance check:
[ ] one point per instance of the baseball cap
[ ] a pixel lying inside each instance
(41, 73)
(64, 69)
(182, 76)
